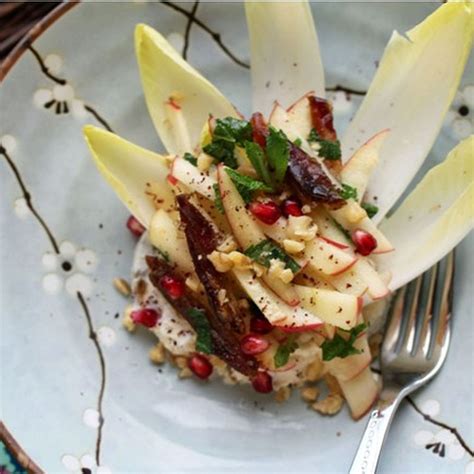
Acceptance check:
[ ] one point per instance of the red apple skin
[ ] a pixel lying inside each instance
(339, 245)
(382, 132)
(298, 329)
(345, 268)
(285, 368)
(294, 104)
(360, 304)
(379, 252)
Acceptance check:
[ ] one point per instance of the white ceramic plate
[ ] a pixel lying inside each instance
(53, 373)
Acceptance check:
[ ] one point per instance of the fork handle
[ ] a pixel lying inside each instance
(370, 447)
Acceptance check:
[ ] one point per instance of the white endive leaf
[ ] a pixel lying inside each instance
(285, 58)
(433, 219)
(414, 85)
(168, 78)
(138, 176)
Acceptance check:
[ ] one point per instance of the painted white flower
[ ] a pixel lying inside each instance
(441, 442)
(60, 98)
(84, 465)
(70, 269)
(9, 143)
(460, 117)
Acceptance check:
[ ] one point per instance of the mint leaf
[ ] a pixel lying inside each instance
(284, 350)
(232, 130)
(329, 150)
(297, 142)
(223, 152)
(246, 185)
(257, 158)
(339, 346)
(278, 153)
(266, 250)
(371, 209)
(348, 192)
(190, 158)
(201, 325)
(218, 198)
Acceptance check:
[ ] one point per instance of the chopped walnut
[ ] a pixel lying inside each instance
(277, 270)
(157, 353)
(332, 384)
(185, 373)
(301, 228)
(193, 283)
(221, 261)
(127, 320)
(240, 261)
(204, 161)
(122, 286)
(293, 246)
(330, 405)
(306, 209)
(227, 245)
(181, 362)
(310, 394)
(314, 371)
(258, 269)
(283, 394)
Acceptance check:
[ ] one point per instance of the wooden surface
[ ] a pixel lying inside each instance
(16, 19)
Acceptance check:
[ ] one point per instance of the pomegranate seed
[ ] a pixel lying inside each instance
(172, 180)
(365, 243)
(291, 208)
(200, 366)
(173, 286)
(260, 325)
(267, 212)
(147, 317)
(253, 344)
(135, 227)
(262, 382)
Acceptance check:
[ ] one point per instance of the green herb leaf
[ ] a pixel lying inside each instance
(329, 150)
(218, 198)
(266, 250)
(348, 192)
(278, 153)
(284, 350)
(203, 330)
(343, 230)
(232, 130)
(246, 185)
(162, 254)
(297, 142)
(341, 347)
(223, 152)
(190, 158)
(371, 209)
(257, 158)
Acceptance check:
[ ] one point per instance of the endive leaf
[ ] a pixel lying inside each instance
(414, 85)
(286, 63)
(433, 219)
(168, 78)
(138, 176)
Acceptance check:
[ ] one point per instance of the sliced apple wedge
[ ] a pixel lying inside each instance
(288, 318)
(247, 232)
(377, 287)
(165, 235)
(189, 175)
(350, 367)
(361, 393)
(299, 114)
(358, 169)
(329, 230)
(332, 307)
(352, 217)
(328, 258)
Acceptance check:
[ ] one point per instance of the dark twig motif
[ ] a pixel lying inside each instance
(187, 32)
(44, 68)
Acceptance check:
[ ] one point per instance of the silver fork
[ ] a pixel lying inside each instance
(413, 351)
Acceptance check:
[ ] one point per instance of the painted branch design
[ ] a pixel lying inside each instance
(214, 34)
(187, 32)
(100, 355)
(28, 199)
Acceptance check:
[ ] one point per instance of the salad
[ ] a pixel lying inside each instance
(268, 257)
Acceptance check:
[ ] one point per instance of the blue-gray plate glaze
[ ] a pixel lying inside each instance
(57, 380)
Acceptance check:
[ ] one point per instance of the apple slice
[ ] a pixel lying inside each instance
(165, 235)
(358, 169)
(288, 318)
(332, 307)
(300, 116)
(352, 217)
(361, 393)
(377, 288)
(328, 229)
(247, 232)
(328, 258)
(189, 175)
(350, 367)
